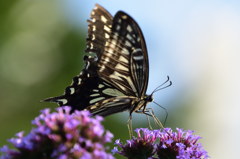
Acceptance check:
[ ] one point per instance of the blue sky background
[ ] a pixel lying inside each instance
(196, 43)
(176, 33)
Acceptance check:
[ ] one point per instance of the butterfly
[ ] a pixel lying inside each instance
(115, 75)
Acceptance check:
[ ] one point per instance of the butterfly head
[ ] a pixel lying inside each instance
(149, 98)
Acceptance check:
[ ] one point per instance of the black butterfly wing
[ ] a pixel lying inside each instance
(112, 105)
(82, 92)
(99, 28)
(124, 62)
(90, 92)
(86, 89)
(139, 65)
(116, 70)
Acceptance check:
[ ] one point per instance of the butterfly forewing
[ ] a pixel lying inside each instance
(135, 43)
(138, 68)
(99, 29)
(115, 63)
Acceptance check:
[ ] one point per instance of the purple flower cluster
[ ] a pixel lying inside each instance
(61, 135)
(165, 144)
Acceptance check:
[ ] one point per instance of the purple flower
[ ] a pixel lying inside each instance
(181, 145)
(165, 144)
(61, 135)
(140, 147)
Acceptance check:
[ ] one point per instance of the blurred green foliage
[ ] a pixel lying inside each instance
(40, 52)
(37, 47)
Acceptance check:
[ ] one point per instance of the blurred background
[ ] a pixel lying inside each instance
(196, 43)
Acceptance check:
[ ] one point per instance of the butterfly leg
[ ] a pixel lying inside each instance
(166, 112)
(149, 123)
(147, 115)
(129, 124)
(150, 113)
(156, 120)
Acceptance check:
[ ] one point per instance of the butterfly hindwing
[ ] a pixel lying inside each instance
(112, 105)
(86, 89)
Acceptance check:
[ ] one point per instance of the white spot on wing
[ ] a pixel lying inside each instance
(91, 45)
(129, 28)
(115, 36)
(79, 81)
(116, 75)
(103, 19)
(96, 99)
(88, 64)
(94, 95)
(107, 35)
(114, 42)
(118, 27)
(93, 107)
(110, 50)
(124, 17)
(123, 59)
(102, 68)
(100, 86)
(63, 101)
(72, 90)
(106, 60)
(93, 37)
(129, 37)
(121, 67)
(107, 43)
(106, 28)
(94, 28)
(127, 43)
(138, 39)
(138, 57)
(125, 51)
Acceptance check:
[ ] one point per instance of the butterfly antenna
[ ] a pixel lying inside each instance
(166, 112)
(170, 83)
(160, 87)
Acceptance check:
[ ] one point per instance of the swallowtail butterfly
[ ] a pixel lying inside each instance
(115, 76)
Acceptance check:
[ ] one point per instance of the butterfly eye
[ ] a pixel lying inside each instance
(149, 98)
